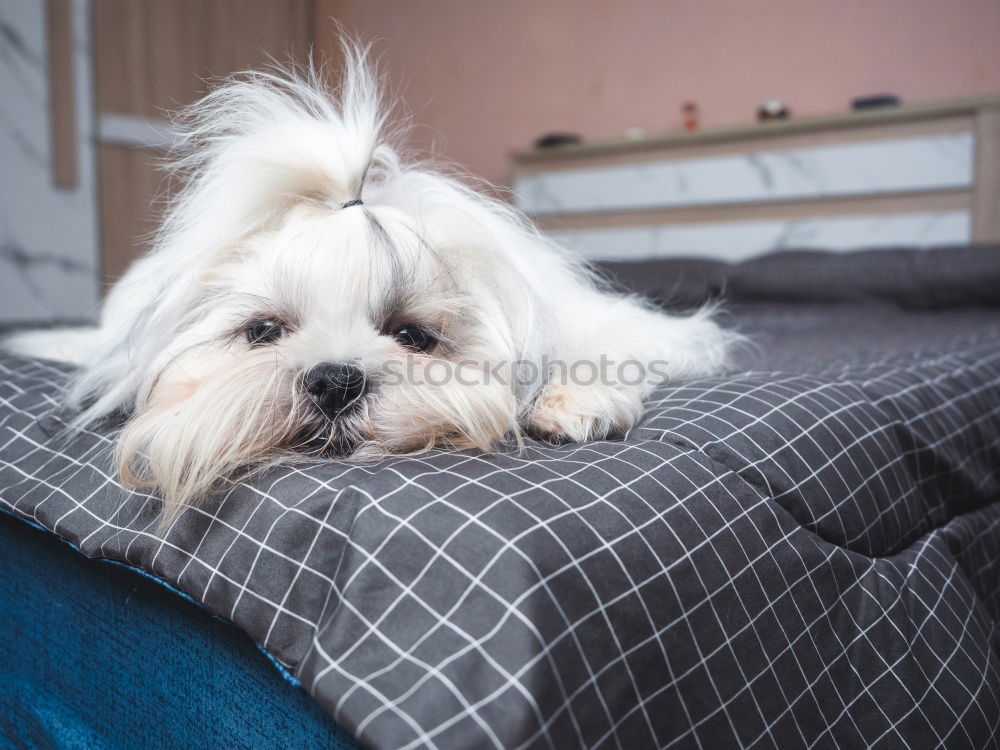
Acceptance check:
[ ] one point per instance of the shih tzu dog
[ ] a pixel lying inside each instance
(312, 290)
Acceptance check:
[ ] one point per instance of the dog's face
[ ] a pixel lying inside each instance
(336, 331)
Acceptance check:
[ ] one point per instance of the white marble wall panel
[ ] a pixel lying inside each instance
(733, 241)
(899, 165)
(48, 235)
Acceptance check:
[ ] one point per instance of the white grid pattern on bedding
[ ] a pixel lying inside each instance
(800, 558)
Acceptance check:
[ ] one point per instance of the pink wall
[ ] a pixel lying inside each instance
(483, 77)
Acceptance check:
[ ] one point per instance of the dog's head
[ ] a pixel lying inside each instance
(310, 292)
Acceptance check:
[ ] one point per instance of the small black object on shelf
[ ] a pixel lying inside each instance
(551, 140)
(874, 101)
(771, 110)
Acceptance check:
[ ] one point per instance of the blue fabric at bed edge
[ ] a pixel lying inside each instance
(132, 663)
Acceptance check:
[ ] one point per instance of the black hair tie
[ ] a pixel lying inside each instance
(348, 204)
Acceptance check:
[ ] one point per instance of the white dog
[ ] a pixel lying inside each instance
(313, 291)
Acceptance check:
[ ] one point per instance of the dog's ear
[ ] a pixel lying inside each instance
(249, 150)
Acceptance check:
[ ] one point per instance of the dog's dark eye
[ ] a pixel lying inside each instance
(263, 332)
(415, 337)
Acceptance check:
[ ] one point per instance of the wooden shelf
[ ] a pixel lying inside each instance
(743, 133)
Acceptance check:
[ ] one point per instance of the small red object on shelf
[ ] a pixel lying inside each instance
(689, 111)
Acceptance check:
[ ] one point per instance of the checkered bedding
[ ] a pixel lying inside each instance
(803, 554)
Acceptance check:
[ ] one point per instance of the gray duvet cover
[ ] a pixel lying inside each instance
(804, 553)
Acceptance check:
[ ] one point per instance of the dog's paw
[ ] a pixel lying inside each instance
(575, 413)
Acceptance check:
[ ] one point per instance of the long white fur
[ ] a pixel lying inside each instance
(266, 160)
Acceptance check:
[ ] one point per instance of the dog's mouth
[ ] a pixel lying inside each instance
(323, 437)
(333, 446)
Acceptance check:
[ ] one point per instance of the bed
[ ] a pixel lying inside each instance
(804, 552)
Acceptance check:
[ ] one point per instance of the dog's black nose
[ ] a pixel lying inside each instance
(334, 387)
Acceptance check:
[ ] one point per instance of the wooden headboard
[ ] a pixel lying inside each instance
(925, 174)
